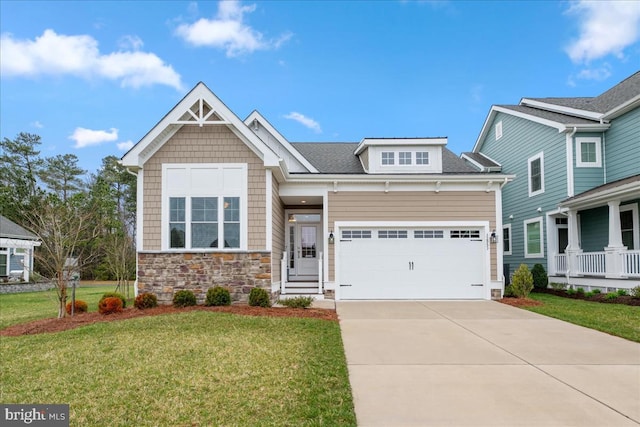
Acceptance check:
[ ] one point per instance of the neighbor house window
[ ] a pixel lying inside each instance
(533, 242)
(588, 152)
(404, 158)
(629, 226)
(422, 158)
(388, 158)
(204, 206)
(506, 239)
(498, 130)
(536, 174)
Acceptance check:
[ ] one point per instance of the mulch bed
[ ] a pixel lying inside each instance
(520, 302)
(56, 325)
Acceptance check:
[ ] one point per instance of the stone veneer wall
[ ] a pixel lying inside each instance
(165, 273)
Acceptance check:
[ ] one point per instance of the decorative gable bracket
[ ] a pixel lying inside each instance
(201, 113)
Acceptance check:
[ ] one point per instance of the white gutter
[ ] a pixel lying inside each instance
(569, 153)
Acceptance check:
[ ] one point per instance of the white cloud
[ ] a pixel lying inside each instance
(37, 124)
(57, 54)
(305, 121)
(227, 31)
(88, 137)
(130, 42)
(606, 28)
(125, 146)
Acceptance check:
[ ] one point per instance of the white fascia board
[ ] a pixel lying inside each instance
(592, 115)
(485, 129)
(623, 108)
(595, 127)
(156, 136)
(6, 242)
(255, 115)
(481, 167)
(367, 142)
(627, 191)
(413, 178)
(531, 118)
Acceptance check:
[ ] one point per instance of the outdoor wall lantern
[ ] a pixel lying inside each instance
(494, 237)
(331, 238)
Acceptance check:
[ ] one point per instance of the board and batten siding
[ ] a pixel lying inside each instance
(206, 144)
(411, 206)
(277, 230)
(622, 155)
(594, 229)
(521, 140)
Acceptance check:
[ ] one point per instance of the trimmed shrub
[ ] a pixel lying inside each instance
(297, 302)
(258, 297)
(540, 279)
(115, 295)
(580, 292)
(558, 286)
(79, 307)
(611, 296)
(596, 291)
(218, 296)
(622, 292)
(635, 292)
(508, 292)
(571, 292)
(589, 294)
(522, 281)
(184, 298)
(110, 305)
(145, 300)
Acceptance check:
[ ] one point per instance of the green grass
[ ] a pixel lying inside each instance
(615, 319)
(21, 308)
(191, 369)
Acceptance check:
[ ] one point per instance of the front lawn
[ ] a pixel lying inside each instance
(24, 307)
(196, 368)
(615, 319)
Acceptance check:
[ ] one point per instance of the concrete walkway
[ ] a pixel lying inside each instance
(482, 363)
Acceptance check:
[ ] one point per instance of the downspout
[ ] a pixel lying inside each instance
(604, 158)
(135, 283)
(569, 150)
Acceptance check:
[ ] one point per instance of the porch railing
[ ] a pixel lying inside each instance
(631, 263)
(560, 263)
(592, 263)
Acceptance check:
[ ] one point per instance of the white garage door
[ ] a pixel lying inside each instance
(412, 263)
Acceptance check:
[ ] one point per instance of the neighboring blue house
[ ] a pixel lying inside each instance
(16, 250)
(573, 206)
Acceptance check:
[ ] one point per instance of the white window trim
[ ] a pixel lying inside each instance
(526, 242)
(499, 130)
(242, 193)
(598, 162)
(393, 158)
(510, 251)
(400, 160)
(428, 161)
(529, 161)
(636, 228)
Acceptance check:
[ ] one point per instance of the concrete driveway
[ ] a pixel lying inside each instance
(482, 363)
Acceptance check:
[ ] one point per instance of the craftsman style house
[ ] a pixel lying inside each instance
(573, 205)
(222, 201)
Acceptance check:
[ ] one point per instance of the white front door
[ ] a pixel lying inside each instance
(304, 247)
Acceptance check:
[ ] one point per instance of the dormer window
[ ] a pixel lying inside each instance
(404, 158)
(422, 157)
(388, 158)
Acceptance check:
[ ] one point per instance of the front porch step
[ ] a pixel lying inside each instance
(302, 290)
(315, 295)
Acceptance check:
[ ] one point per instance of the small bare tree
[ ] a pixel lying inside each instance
(67, 229)
(120, 255)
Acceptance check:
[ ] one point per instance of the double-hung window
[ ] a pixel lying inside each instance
(204, 206)
(533, 240)
(422, 157)
(506, 239)
(536, 174)
(588, 153)
(404, 157)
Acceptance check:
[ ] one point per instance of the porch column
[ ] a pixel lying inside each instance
(573, 248)
(613, 257)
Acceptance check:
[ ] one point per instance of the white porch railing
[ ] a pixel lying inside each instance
(560, 263)
(592, 263)
(631, 263)
(284, 273)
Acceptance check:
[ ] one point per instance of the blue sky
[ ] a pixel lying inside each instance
(92, 78)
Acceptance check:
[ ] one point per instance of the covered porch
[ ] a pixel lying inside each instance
(600, 233)
(303, 258)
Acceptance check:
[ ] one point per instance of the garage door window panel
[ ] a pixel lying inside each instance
(392, 234)
(428, 234)
(356, 234)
